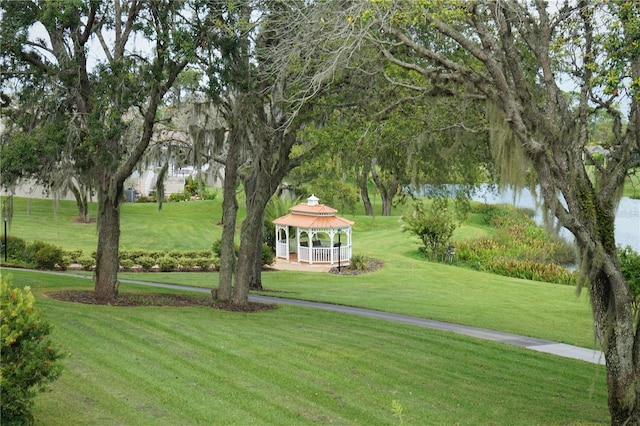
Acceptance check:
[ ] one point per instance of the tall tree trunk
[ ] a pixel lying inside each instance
(107, 262)
(229, 214)
(362, 177)
(256, 276)
(81, 202)
(387, 190)
(258, 189)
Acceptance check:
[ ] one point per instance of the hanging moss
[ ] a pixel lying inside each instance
(509, 156)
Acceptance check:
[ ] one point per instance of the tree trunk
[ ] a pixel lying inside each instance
(387, 190)
(256, 276)
(107, 262)
(361, 178)
(258, 192)
(81, 202)
(229, 214)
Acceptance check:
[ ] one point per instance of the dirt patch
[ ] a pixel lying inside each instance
(153, 299)
(372, 266)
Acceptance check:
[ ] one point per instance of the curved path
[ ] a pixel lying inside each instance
(540, 345)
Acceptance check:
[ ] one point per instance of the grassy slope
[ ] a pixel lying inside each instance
(297, 366)
(153, 365)
(407, 284)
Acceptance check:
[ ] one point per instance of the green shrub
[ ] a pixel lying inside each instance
(177, 197)
(209, 194)
(147, 262)
(127, 263)
(87, 262)
(44, 255)
(216, 248)
(359, 262)
(434, 226)
(186, 263)
(176, 254)
(73, 254)
(167, 263)
(16, 248)
(205, 263)
(29, 361)
(131, 254)
(267, 254)
(66, 261)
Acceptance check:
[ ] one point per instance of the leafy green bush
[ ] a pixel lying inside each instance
(29, 361)
(156, 254)
(86, 262)
(529, 270)
(176, 254)
(44, 255)
(206, 263)
(268, 256)
(16, 248)
(216, 248)
(434, 226)
(186, 263)
(519, 248)
(359, 262)
(144, 199)
(127, 264)
(147, 262)
(73, 254)
(177, 197)
(167, 263)
(209, 194)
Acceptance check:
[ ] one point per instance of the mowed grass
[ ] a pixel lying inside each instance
(407, 284)
(165, 365)
(295, 366)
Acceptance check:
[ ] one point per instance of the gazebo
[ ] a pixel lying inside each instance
(312, 233)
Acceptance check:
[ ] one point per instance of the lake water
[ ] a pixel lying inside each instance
(627, 222)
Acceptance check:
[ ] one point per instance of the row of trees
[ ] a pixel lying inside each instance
(370, 87)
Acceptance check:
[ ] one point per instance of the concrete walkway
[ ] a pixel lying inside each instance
(540, 345)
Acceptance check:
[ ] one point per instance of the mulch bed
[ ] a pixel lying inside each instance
(372, 266)
(153, 299)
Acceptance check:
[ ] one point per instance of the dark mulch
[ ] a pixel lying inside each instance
(152, 299)
(372, 266)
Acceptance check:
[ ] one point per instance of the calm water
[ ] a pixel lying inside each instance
(627, 223)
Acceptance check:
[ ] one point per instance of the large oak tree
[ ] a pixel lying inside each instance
(107, 62)
(523, 58)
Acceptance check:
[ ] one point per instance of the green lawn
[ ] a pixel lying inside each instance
(295, 365)
(163, 365)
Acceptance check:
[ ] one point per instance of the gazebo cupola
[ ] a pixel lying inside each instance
(312, 233)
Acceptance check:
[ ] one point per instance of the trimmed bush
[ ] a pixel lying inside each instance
(73, 255)
(186, 263)
(167, 263)
(127, 263)
(29, 361)
(147, 262)
(44, 255)
(205, 263)
(86, 262)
